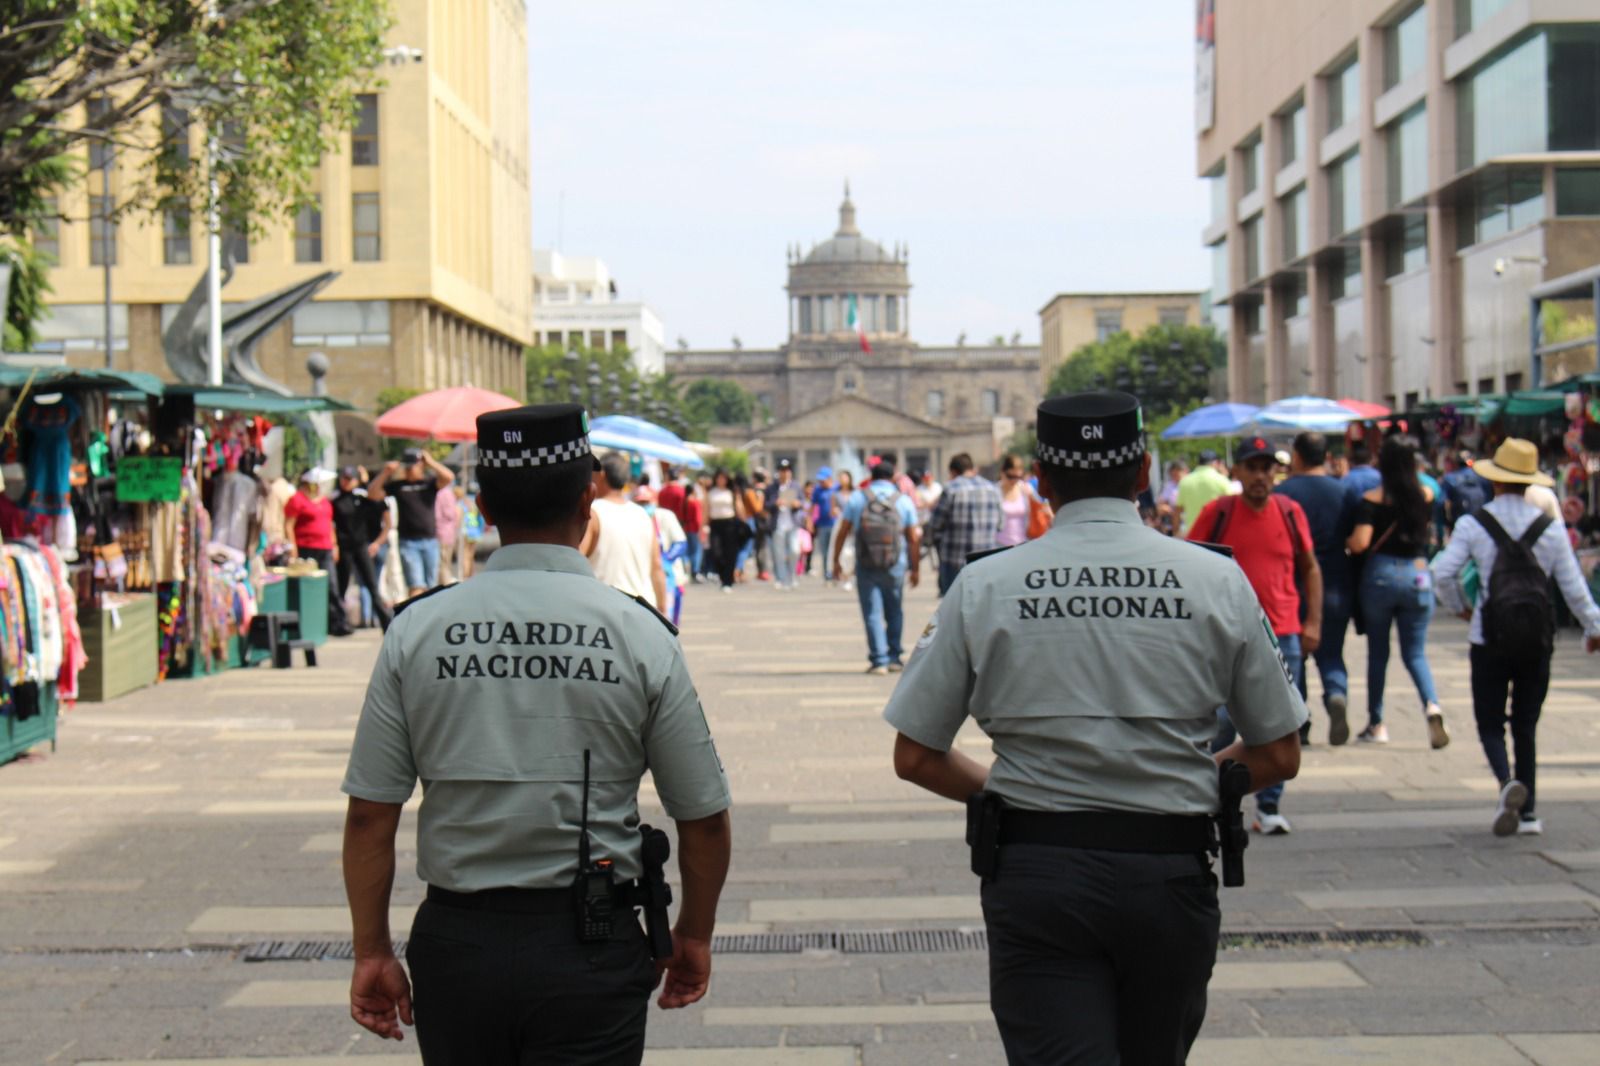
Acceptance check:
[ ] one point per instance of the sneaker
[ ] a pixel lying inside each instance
(1272, 825)
(1438, 735)
(727, 588)
(877, 670)
(1338, 721)
(1506, 816)
(1374, 734)
(764, 576)
(896, 666)
(1530, 827)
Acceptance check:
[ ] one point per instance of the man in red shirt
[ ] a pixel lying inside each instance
(677, 496)
(1271, 540)
(310, 517)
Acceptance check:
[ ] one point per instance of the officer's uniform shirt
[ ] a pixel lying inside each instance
(489, 692)
(1095, 658)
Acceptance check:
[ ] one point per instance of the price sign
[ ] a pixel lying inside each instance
(149, 478)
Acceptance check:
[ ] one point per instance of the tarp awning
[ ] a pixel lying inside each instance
(67, 377)
(266, 403)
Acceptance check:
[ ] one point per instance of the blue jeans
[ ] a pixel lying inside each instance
(948, 569)
(1267, 799)
(880, 592)
(691, 555)
(419, 562)
(1395, 590)
(784, 556)
(821, 543)
(1329, 656)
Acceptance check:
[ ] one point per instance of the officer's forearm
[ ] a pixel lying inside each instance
(946, 773)
(1269, 764)
(369, 830)
(704, 847)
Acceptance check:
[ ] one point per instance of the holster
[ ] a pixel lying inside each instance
(1233, 785)
(653, 894)
(983, 832)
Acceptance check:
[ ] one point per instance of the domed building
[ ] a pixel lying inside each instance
(851, 379)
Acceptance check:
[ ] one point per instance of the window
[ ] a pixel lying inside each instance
(1252, 318)
(101, 154)
(1220, 284)
(1292, 133)
(1344, 95)
(1295, 219)
(177, 243)
(1577, 192)
(1217, 186)
(805, 314)
(308, 233)
(891, 317)
(1254, 252)
(850, 383)
(102, 233)
(46, 230)
(1470, 14)
(869, 313)
(175, 134)
(1514, 381)
(1347, 274)
(1502, 107)
(1407, 247)
(933, 403)
(1107, 320)
(597, 340)
(1344, 194)
(364, 137)
(238, 240)
(990, 400)
(1250, 160)
(619, 340)
(1501, 201)
(1405, 46)
(1172, 316)
(826, 322)
(1408, 156)
(1575, 88)
(341, 323)
(366, 223)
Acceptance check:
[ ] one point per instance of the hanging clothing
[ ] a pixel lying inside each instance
(49, 455)
(233, 508)
(74, 657)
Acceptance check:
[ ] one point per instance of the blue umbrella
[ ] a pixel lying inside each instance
(1305, 412)
(625, 433)
(1214, 420)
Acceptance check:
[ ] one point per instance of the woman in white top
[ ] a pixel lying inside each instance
(725, 512)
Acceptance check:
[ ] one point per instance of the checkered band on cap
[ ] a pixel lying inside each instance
(542, 455)
(1090, 460)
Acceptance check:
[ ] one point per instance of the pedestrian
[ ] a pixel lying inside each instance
(1176, 471)
(529, 819)
(1392, 530)
(447, 523)
(621, 542)
(361, 528)
(471, 529)
(786, 508)
(702, 489)
(1271, 541)
(1207, 481)
(824, 516)
(753, 494)
(965, 521)
(1019, 504)
(1098, 897)
(1464, 489)
(1517, 550)
(415, 483)
(1362, 476)
(883, 521)
(678, 496)
(845, 551)
(1330, 516)
(672, 543)
(309, 517)
(728, 527)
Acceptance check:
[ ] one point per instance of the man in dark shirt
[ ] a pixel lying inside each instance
(414, 482)
(1329, 513)
(1465, 490)
(360, 526)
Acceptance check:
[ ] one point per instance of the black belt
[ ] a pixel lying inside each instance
(519, 900)
(1108, 830)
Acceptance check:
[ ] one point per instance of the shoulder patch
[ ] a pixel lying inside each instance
(403, 604)
(647, 605)
(973, 557)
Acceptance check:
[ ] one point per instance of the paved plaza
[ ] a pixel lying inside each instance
(177, 827)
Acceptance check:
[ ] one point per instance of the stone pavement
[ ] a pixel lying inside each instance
(179, 824)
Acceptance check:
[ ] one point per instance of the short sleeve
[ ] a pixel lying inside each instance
(1206, 520)
(1366, 512)
(1262, 700)
(852, 508)
(908, 512)
(930, 703)
(381, 767)
(679, 751)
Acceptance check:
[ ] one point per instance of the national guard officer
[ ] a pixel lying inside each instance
(1095, 658)
(530, 700)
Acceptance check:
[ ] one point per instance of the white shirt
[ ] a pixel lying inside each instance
(623, 550)
(1515, 514)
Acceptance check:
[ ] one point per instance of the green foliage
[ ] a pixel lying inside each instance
(1167, 367)
(394, 396)
(551, 375)
(1187, 450)
(714, 401)
(1024, 442)
(732, 460)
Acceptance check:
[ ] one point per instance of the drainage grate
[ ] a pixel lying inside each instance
(1299, 938)
(307, 951)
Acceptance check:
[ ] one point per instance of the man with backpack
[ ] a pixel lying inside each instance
(884, 523)
(1517, 549)
(1270, 538)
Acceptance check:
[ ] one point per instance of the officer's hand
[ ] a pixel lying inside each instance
(380, 996)
(688, 972)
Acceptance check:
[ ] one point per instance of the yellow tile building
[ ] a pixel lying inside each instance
(424, 214)
(1073, 319)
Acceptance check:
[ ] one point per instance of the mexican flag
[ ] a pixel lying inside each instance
(856, 324)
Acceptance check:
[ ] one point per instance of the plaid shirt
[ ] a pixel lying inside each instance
(966, 519)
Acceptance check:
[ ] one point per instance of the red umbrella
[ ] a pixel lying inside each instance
(1366, 410)
(444, 414)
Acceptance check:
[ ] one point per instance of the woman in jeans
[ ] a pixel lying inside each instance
(1392, 528)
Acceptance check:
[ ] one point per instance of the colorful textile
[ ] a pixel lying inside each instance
(50, 455)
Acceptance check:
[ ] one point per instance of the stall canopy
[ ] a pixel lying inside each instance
(1304, 412)
(1534, 403)
(1365, 408)
(266, 403)
(1213, 420)
(625, 433)
(444, 414)
(46, 378)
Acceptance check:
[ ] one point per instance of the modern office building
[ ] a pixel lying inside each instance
(575, 303)
(423, 212)
(1073, 319)
(1389, 181)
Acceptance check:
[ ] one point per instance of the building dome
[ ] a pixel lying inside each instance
(847, 245)
(843, 272)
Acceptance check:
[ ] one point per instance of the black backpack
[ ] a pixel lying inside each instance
(878, 536)
(1519, 617)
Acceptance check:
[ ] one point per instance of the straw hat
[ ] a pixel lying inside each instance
(1516, 462)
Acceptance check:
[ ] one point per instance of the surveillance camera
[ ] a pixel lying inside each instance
(416, 55)
(1499, 267)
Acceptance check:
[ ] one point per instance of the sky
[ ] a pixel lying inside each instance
(1019, 149)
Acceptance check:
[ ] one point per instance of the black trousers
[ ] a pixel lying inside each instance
(1527, 682)
(355, 562)
(725, 545)
(338, 622)
(1099, 957)
(490, 988)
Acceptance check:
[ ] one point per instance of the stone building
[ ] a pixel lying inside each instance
(837, 390)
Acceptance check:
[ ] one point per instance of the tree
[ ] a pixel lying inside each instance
(606, 382)
(1167, 367)
(276, 79)
(715, 401)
